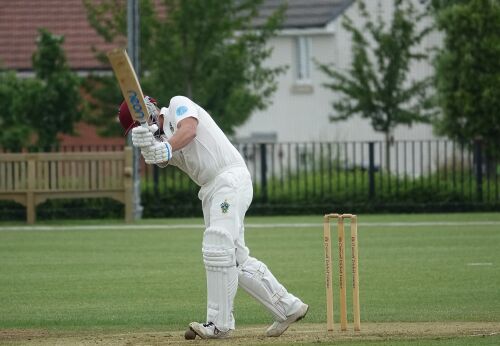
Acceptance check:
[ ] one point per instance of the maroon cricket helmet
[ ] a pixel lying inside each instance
(125, 118)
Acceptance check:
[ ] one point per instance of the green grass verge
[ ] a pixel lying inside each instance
(145, 278)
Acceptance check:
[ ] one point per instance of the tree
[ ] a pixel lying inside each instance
(54, 98)
(377, 86)
(15, 132)
(468, 72)
(109, 19)
(39, 108)
(204, 49)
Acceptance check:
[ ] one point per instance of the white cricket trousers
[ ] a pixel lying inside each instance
(225, 201)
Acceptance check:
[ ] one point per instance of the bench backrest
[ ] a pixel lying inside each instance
(31, 178)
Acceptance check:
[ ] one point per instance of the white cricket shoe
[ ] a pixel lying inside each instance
(208, 331)
(278, 328)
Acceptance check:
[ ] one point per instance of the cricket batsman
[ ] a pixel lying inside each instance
(185, 135)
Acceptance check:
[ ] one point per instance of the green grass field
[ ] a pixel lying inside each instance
(76, 279)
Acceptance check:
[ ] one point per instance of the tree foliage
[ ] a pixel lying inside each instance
(15, 130)
(35, 110)
(109, 19)
(438, 5)
(376, 86)
(468, 72)
(204, 49)
(54, 102)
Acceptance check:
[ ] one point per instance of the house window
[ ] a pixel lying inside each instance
(303, 47)
(302, 83)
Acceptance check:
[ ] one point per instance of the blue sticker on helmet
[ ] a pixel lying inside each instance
(181, 110)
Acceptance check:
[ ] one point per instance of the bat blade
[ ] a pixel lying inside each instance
(129, 84)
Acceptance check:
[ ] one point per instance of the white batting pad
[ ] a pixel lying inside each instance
(222, 277)
(258, 281)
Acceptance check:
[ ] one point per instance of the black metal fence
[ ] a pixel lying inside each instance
(318, 177)
(433, 175)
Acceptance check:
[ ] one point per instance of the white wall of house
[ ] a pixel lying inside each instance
(300, 109)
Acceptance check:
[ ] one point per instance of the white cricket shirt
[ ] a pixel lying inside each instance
(210, 152)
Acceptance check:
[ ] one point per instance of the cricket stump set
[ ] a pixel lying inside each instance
(342, 272)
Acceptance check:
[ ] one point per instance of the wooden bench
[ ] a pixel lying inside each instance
(32, 178)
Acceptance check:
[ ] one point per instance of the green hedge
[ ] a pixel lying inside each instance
(304, 193)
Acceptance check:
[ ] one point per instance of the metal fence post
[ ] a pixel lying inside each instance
(263, 171)
(478, 158)
(371, 170)
(156, 180)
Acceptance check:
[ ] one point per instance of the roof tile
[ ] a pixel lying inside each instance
(19, 23)
(20, 20)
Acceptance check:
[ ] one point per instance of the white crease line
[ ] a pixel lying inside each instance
(486, 334)
(384, 224)
(255, 225)
(480, 264)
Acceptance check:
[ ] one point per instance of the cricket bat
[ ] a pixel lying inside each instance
(129, 84)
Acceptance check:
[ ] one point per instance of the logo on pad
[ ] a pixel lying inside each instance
(224, 206)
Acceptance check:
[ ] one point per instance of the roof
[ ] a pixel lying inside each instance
(304, 13)
(20, 20)
(19, 23)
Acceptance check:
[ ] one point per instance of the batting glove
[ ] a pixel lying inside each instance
(152, 107)
(142, 136)
(148, 154)
(158, 153)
